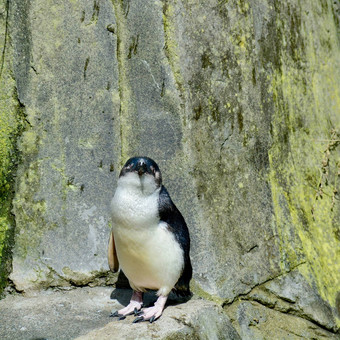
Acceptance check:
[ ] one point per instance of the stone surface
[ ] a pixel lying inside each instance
(11, 125)
(254, 321)
(228, 134)
(70, 150)
(83, 313)
(196, 319)
(260, 82)
(290, 295)
(55, 315)
(304, 157)
(302, 299)
(237, 101)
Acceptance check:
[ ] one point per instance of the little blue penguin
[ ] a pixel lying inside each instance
(149, 241)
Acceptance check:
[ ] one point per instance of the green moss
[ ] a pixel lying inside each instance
(197, 290)
(76, 277)
(93, 278)
(304, 158)
(171, 44)
(125, 96)
(11, 125)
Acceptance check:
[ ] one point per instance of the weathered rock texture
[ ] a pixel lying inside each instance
(238, 102)
(11, 124)
(69, 88)
(83, 313)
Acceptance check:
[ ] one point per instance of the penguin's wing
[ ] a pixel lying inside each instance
(169, 214)
(112, 254)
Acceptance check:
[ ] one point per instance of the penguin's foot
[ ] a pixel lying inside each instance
(135, 305)
(153, 313)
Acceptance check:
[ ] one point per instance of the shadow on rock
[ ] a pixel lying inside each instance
(123, 292)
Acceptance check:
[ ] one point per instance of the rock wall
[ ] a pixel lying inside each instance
(11, 124)
(238, 102)
(67, 81)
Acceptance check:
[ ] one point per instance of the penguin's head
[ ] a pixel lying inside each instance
(141, 171)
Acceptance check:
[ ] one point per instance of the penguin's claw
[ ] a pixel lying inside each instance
(138, 319)
(141, 317)
(132, 308)
(115, 314)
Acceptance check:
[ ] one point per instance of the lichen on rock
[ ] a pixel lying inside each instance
(237, 101)
(12, 123)
(305, 153)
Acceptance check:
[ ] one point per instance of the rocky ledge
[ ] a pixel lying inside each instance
(83, 313)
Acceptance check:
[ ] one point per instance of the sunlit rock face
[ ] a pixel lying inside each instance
(238, 103)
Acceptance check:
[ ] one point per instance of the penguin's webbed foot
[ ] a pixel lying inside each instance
(134, 307)
(152, 313)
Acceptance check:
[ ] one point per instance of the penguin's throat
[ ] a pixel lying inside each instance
(145, 184)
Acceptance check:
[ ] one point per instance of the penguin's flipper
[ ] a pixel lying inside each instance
(112, 254)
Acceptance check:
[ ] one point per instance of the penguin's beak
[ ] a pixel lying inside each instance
(141, 168)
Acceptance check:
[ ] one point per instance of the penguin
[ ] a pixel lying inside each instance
(149, 240)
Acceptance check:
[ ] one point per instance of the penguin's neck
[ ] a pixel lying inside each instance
(135, 203)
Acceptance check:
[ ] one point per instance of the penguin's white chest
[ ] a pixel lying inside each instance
(148, 252)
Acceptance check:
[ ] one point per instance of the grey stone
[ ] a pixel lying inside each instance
(83, 313)
(244, 76)
(254, 321)
(236, 101)
(55, 315)
(229, 138)
(69, 90)
(302, 297)
(196, 319)
(291, 295)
